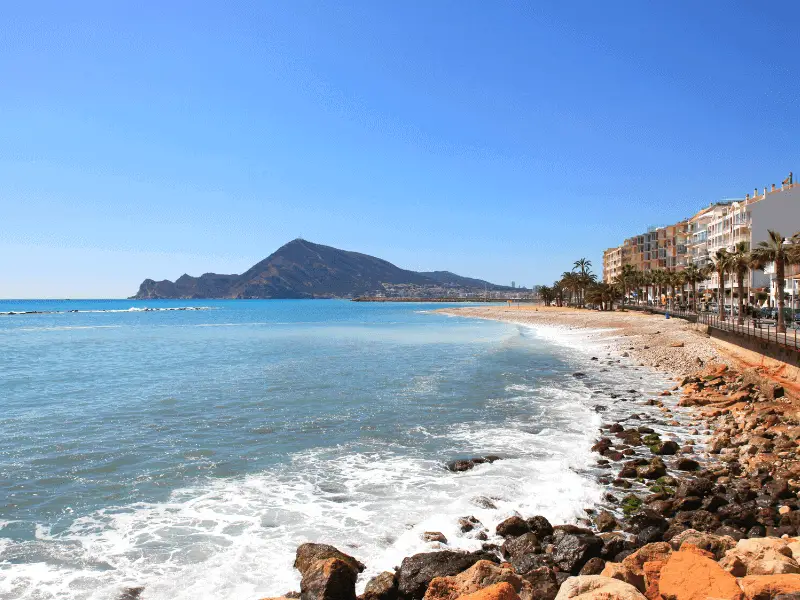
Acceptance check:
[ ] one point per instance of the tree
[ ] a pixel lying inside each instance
(739, 262)
(721, 259)
(546, 293)
(582, 265)
(625, 280)
(776, 249)
(694, 275)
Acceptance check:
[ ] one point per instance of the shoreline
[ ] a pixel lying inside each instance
(670, 510)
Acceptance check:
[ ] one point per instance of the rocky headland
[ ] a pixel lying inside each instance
(677, 522)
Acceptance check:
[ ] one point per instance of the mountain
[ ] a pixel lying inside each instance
(302, 269)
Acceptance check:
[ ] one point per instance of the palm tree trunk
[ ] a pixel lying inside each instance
(779, 273)
(694, 295)
(721, 294)
(740, 285)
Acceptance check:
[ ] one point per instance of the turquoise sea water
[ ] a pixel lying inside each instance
(191, 451)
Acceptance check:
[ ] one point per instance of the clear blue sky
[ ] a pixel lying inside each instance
(500, 140)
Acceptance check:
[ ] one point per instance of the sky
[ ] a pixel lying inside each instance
(500, 140)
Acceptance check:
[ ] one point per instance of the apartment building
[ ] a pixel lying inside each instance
(719, 225)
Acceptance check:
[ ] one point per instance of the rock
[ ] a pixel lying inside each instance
(760, 556)
(417, 571)
(329, 579)
(687, 464)
(594, 566)
(645, 519)
(573, 547)
(309, 553)
(652, 577)
(498, 591)
(689, 576)
(381, 587)
(540, 526)
(768, 587)
(616, 570)
(605, 521)
(458, 466)
(655, 469)
(513, 526)
(715, 544)
(522, 551)
(466, 524)
(479, 576)
(543, 583)
(131, 593)
(667, 448)
(434, 536)
(597, 587)
(484, 502)
(698, 488)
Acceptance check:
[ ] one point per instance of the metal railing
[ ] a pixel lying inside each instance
(752, 328)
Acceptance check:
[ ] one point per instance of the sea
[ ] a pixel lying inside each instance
(188, 447)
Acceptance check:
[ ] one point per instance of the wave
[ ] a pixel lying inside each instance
(107, 310)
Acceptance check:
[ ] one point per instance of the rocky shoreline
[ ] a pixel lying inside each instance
(677, 522)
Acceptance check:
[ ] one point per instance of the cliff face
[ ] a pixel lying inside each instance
(299, 269)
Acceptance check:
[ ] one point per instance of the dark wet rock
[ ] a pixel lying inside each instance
(667, 448)
(662, 507)
(543, 582)
(652, 471)
(613, 544)
(605, 521)
(702, 520)
(381, 587)
(602, 445)
(616, 428)
(416, 571)
(699, 488)
(688, 503)
(434, 536)
(513, 526)
(310, 553)
(687, 464)
(458, 466)
(523, 552)
(579, 375)
(673, 530)
(594, 566)
(329, 579)
(739, 515)
(733, 532)
(714, 503)
(466, 524)
(779, 490)
(573, 547)
(600, 408)
(540, 526)
(484, 502)
(645, 519)
(648, 535)
(131, 593)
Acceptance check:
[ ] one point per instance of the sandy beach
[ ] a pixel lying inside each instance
(673, 346)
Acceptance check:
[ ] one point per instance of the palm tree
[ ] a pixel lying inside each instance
(625, 279)
(721, 259)
(602, 294)
(582, 264)
(693, 275)
(776, 249)
(546, 293)
(658, 280)
(739, 262)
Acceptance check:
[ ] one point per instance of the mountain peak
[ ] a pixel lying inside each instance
(303, 269)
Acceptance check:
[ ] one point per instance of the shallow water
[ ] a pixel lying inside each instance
(192, 451)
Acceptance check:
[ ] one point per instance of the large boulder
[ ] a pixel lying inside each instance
(718, 545)
(479, 576)
(544, 584)
(522, 552)
(631, 569)
(691, 576)
(597, 587)
(329, 579)
(498, 591)
(308, 554)
(760, 556)
(573, 546)
(767, 587)
(417, 571)
(512, 526)
(381, 587)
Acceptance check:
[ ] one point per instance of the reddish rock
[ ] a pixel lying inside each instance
(331, 579)
(498, 591)
(766, 587)
(652, 575)
(479, 576)
(690, 576)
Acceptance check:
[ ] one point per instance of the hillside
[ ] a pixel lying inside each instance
(302, 269)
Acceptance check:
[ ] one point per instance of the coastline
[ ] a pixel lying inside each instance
(719, 498)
